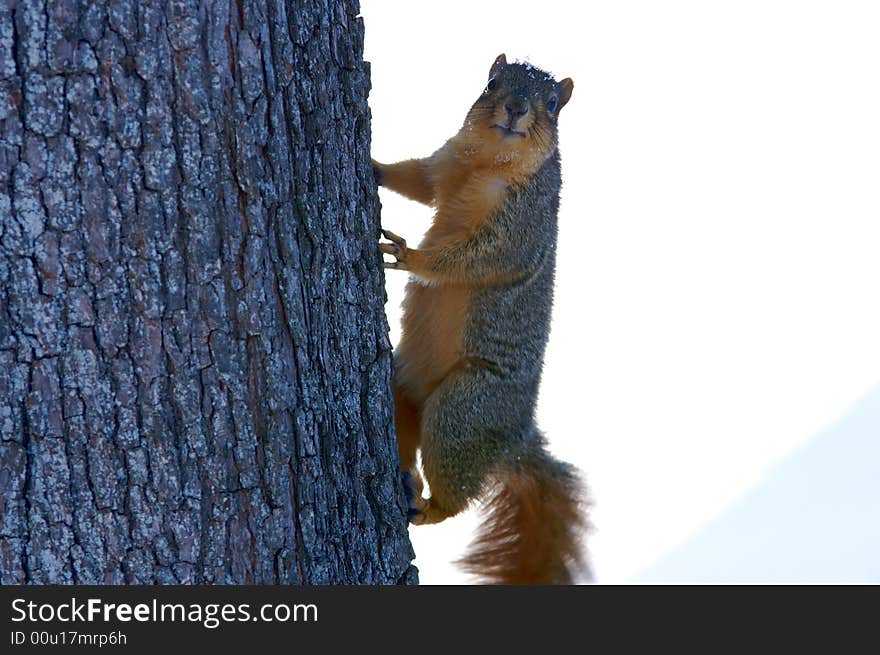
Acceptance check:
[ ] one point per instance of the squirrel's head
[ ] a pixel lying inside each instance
(515, 117)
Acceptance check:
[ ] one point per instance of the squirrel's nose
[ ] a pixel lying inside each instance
(516, 106)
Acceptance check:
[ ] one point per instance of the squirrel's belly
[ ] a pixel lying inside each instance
(430, 346)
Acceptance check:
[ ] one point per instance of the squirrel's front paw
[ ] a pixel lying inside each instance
(377, 171)
(396, 247)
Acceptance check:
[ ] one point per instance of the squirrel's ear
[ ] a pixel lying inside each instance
(566, 86)
(500, 60)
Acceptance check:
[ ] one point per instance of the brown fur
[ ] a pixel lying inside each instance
(406, 421)
(408, 178)
(532, 530)
(466, 180)
(531, 535)
(431, 341)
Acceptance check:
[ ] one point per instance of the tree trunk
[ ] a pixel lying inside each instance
(194, 359)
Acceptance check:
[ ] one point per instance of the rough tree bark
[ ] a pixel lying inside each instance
(194, 360)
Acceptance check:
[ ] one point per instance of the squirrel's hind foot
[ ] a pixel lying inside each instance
(412, 488)
(428, 512)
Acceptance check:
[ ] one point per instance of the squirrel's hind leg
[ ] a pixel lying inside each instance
(467, 425)
(406, 423)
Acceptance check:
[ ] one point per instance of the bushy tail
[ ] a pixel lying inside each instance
(535, 521)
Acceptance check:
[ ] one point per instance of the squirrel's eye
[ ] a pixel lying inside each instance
(491, 85)
(551, 104)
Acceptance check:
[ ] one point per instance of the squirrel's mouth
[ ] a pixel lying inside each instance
(507, 130)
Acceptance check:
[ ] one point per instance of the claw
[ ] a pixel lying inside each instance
(417, 515)
(410, 493)
(414, 501)
(388, 234)
(397, 249)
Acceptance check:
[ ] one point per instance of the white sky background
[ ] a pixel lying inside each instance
(716, 302)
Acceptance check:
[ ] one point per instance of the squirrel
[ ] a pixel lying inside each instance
(475, 326)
